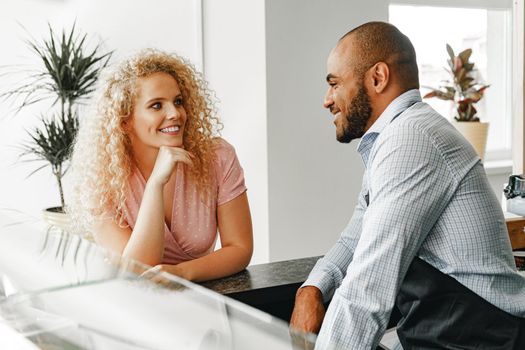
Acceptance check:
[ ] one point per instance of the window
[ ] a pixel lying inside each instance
(487, 30)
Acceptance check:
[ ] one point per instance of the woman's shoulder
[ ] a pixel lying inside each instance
(223, 149)
(230, 175)
(226, 159)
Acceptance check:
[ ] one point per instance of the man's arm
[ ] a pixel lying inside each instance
(410, 186)
(309, 310)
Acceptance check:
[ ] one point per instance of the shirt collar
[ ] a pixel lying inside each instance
(394, 109)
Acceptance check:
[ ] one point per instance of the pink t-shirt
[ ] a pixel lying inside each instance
(194, 223)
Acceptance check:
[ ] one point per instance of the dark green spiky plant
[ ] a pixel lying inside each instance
(67, 74)
(462, 88)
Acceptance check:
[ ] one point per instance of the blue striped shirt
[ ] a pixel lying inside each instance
(424, 193)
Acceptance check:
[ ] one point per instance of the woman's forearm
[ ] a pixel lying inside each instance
(146, 243)
(225, 261)
(235, 227)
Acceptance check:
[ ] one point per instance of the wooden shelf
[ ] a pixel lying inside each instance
(516, 228)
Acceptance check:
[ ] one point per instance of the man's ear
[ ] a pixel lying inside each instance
(379, 77)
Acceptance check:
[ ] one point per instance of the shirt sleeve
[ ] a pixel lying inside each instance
(329, 271)
(230, 175)
(410, 186)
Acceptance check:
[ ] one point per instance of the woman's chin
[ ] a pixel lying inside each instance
(174, 143)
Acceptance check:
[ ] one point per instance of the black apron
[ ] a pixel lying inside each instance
(438, 312)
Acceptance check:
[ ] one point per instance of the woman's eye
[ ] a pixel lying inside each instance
(178, 102)
(156, 105)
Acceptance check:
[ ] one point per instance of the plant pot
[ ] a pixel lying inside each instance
(56, 217)
(476, 133)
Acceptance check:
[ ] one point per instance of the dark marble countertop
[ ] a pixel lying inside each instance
(263, 276)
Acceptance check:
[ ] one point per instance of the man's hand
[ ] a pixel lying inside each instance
(309, 310)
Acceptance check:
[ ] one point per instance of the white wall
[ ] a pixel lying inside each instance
(235, 66)
(313, 180)
(128, 26)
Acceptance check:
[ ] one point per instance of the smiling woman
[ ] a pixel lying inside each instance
(152, 180)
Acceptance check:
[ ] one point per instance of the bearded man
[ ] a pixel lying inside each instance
(427, 234)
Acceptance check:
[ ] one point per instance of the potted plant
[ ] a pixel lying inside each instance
(67, 74)
(464, 91)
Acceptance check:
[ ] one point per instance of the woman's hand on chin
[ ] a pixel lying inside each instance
(167, 159)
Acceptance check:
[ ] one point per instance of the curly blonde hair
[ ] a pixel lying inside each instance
(102, 159)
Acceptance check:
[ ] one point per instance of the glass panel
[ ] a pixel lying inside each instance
(53, 259)
(60, 291)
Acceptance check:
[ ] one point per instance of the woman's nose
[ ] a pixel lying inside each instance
(173, 112)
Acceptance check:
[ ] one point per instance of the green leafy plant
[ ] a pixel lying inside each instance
(67, 74)
(462, 89)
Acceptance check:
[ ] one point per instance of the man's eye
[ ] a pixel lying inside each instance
(156, 106)
(178, 102)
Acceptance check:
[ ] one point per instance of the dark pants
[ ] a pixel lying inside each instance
(438, 312)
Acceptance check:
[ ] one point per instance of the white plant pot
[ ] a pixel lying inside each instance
(476, 133)
(54, 216)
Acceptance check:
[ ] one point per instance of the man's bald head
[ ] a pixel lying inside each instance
(375, 42)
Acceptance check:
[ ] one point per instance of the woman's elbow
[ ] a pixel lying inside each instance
(246, 253)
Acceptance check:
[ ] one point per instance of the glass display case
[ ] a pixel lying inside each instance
(59, 291)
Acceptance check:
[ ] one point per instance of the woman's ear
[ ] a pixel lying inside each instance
(379, 76)
(126, 124)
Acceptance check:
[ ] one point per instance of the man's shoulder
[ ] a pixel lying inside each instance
(422, 123)
(420, 117)
(422, 130)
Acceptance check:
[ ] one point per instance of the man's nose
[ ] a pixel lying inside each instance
(328, 101)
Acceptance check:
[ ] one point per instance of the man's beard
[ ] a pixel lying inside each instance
(359, 112)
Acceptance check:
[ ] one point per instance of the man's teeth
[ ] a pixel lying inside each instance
(170, 129)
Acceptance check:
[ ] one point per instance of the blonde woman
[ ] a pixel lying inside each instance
(152, 182)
